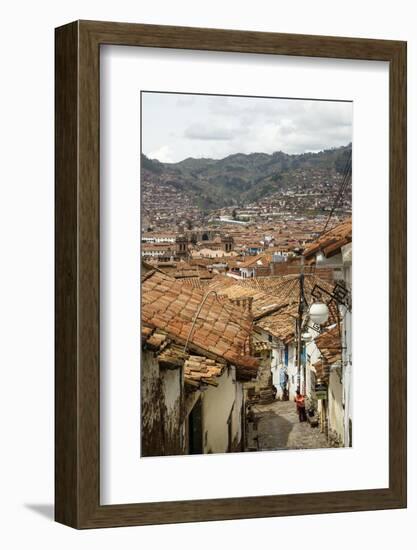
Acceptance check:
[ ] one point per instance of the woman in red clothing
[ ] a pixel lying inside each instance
(301, 407)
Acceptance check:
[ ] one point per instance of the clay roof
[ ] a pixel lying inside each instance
(193, 272)
(201, 262)
(259, 259)
(330, 346)
(210, 253)
(155, 235)
(157, 246)
(238, 293)
(331, 241)
(196, 282)
(283, 293)
(201, 369)
(280, 324)
(262, 346)
(147, 269)
(269, 294)
(208, 325)
(197, 369)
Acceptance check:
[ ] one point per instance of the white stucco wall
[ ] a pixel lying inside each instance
(313, 355)
(292, 371)
(171, 383)
(217, 405)
(237, 414)
(172, 389)
(277, 363)
(335, 411)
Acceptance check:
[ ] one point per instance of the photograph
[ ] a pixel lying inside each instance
(246, 273)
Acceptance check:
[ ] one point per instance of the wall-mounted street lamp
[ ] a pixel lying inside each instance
(318, 313)
(340, 295)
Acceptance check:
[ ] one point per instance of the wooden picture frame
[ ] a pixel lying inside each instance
(77, 404)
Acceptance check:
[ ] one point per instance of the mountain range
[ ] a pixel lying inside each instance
(240, 179)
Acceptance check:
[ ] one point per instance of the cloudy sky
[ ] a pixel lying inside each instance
(177, 126)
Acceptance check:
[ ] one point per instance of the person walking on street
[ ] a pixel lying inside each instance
(301, 407)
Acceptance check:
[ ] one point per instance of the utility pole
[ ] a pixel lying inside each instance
(300, 324)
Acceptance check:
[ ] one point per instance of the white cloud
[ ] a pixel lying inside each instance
(217, 126)
(199, 131)
(163, 154)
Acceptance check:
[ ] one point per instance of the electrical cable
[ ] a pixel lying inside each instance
(347, 174)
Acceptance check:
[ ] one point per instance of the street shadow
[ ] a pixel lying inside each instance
(273, 431)
(45, 510)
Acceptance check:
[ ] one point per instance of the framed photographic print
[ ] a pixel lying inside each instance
(223, 349)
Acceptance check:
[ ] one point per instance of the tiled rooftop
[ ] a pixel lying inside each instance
(211, 326)
(280, 324)
(331, 241)
(269, 293)
(259, 260)
(198, 369)
(330, 346)
(275, 300)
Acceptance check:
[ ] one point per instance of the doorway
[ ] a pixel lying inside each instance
(195, 430)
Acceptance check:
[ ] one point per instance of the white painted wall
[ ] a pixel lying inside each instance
(333, 261)
(292, 371)
(276, 365)
(246, 272)
(335, 409)
(172, 382)
(237, 415)
(217, 406)
(312, 355)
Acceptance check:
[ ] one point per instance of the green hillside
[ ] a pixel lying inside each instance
(241, 179)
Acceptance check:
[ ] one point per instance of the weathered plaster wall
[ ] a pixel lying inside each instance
(151, 429)
(237, 417)
(336, 412)
(160, 408)
(313, 354)
(171, 411)
(217, 406)
(292, 371)
(276, 364)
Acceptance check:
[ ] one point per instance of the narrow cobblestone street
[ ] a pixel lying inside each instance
(279, 428)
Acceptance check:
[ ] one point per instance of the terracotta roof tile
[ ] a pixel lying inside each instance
(188, 313)
(330, 346)
(274, 299)
(332, 240)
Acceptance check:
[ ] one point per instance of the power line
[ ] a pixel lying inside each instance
(346, 178)
(347, 172)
